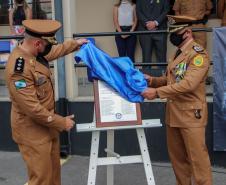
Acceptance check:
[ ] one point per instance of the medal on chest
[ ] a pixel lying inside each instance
(179, 71)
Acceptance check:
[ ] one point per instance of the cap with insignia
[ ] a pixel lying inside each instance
(179, 22)
(44, 29)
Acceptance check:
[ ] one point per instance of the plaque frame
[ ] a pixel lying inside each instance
(99, 123)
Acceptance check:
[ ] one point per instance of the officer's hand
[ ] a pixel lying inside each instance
(69, 122)
(80, 42)
(150, 93)
(148, 78)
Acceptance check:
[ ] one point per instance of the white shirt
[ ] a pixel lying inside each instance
(125, 14)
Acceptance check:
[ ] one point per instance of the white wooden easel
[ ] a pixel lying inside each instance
(114, 158)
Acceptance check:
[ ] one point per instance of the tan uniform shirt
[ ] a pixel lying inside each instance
(33, 118)
(184, 87)
(221, 11)
(193, 8)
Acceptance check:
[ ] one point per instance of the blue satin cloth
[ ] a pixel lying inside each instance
(118, 73)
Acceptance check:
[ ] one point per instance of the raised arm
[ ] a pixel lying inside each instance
(65, 48)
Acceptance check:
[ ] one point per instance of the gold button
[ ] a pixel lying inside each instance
(50, 118)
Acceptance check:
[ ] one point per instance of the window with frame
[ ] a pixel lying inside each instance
(4, 13)
(41, 9)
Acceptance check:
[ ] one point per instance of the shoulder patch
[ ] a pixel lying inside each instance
(20, 84)
(19, 65)
(198, 61)
(198, 48)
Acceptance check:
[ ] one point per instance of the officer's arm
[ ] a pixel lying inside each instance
(63, 49)
(194, 75)
(220, 8)
(24, 94)
(157, 81)
(209, 6)
(176, 7)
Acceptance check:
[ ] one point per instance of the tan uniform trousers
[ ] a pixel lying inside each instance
(200, 37)
(189, 156)
(43, 163)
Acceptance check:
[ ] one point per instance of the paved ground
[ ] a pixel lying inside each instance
(75, 171)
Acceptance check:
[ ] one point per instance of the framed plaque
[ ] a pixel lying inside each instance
(113, 110)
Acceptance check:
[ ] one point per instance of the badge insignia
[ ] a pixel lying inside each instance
(41, 80)
(198, 61)
(20, 84)
(197, 114)
(118, 115)
(19, 65)
(171, 20)
(198, 48)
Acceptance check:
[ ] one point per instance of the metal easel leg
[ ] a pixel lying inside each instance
(110, 146)
(145, 156)
(93, 158)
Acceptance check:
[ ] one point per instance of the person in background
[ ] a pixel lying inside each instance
(20, 11)
(221, 11)
(125, 19)
(37, 10)
(151, 15)
(183, 86)
(198, 9)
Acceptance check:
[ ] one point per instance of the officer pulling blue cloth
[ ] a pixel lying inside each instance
(119, 73)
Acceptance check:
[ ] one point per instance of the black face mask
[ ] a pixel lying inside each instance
(176, 39)
(47, 49)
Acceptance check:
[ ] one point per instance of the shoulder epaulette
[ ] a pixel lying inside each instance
(198, 49)
(19, 65)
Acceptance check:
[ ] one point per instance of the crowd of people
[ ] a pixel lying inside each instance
(152, 15)
(20, 11)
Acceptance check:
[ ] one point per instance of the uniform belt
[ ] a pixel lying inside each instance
(125, 28)
(201, 21)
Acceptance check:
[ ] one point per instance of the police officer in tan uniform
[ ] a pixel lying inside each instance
(35, 125)
(186, 110)
(200, 10)
(221, 11)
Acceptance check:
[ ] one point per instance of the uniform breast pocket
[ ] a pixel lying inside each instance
(201, 5)
(42, 90)
(185, 5)
(42, 84)
(192, 112)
